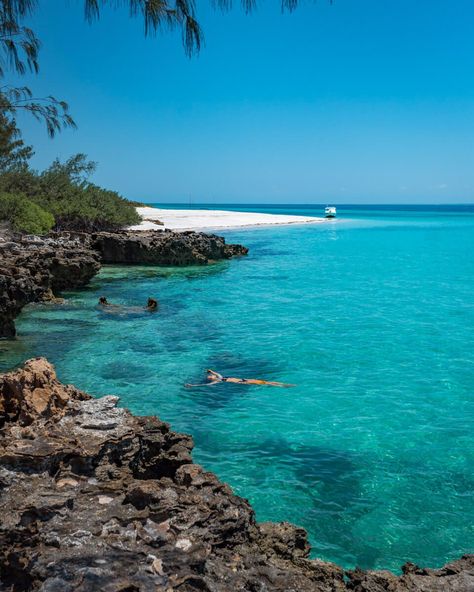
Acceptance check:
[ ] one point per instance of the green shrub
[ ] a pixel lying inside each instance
(90, 209)
(76, 204)
(23, 215)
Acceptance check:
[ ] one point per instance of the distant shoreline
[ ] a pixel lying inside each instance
(213, 219)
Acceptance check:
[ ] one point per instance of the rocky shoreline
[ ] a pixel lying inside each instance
(34, 269)
(163, 248)
(93, 498)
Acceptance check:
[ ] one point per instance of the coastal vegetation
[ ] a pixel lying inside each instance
(24, 215)
(61, 198)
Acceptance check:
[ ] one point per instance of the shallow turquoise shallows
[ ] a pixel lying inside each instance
(371, 317)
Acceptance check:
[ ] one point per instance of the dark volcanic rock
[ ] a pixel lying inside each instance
(163, 247)
(35, 269)
(95, 499)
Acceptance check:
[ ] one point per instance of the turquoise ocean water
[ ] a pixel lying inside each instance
(371, 316)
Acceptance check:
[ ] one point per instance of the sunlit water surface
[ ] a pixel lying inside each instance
(372, 318)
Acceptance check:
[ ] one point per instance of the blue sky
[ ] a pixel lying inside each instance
(360, 101)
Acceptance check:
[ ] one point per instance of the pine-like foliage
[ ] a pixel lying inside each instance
(157, 15)
(14, 154)
(64, 192)
(19, 49)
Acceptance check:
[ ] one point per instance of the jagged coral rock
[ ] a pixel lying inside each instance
(98, 499)
(34, 392)
(164, 247)
(93, 498)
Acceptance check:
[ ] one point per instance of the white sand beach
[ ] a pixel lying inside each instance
(212, 219)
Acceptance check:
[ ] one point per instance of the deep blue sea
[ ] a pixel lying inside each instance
(371, 316)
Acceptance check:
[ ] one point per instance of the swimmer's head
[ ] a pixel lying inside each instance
(152, 304)
(103, 300)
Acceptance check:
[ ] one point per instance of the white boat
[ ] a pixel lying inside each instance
(330, 212)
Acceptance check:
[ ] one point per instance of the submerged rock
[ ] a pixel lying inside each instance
(93, 498)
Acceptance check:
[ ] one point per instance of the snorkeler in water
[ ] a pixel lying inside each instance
(215, 378)
(152, 304)
(108, 307)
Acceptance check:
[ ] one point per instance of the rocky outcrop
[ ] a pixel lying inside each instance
(33, 393)
(163, 248)
(33, 269)
(93, 498)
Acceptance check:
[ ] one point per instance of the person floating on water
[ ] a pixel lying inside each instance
(215, 377)
(108, 306)
(152, 304)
